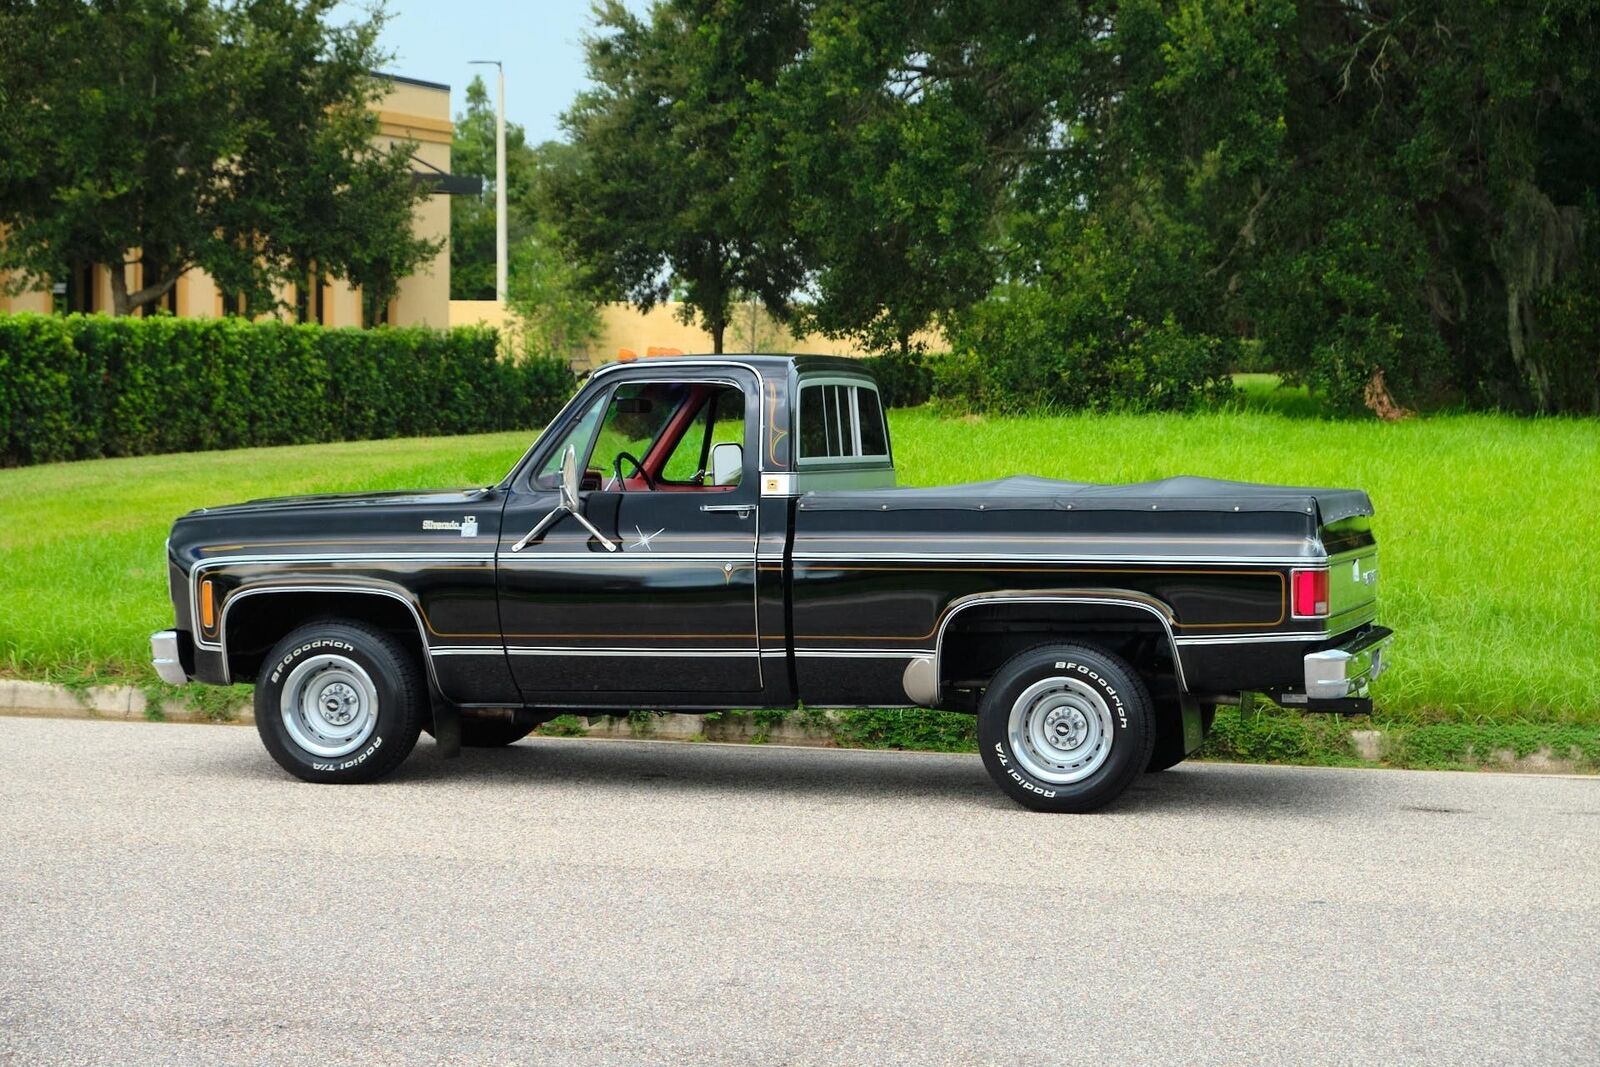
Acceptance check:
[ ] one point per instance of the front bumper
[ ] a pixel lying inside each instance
(166, 656)
(1346, 670)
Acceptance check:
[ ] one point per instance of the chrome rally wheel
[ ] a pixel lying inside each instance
(1060, 730)
(329, 705)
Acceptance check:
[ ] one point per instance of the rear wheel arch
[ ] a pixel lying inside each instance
(980, 633)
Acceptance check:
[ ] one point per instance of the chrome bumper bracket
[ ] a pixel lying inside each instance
(166, 658)
(1347, 670)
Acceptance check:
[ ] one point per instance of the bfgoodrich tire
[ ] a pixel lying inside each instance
(339, 702)
(1065, 728)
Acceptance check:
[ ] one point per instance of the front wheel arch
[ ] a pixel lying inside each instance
(255, 618)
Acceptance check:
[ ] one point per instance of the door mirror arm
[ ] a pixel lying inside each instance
(568, 505)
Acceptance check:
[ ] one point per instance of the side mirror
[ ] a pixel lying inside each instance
(569, 479)
(727, 463)
(568, 505)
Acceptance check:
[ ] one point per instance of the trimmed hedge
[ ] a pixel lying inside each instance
(85, 386)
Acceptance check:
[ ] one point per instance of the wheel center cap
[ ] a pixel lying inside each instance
(339, 704)
(1067, 727)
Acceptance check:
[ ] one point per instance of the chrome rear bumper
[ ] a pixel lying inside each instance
(1345, 671)
(166, 657)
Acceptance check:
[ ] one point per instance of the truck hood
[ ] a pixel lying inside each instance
(1028, 493)
(440, 498)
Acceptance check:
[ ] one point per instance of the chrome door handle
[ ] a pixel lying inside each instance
(742, 509)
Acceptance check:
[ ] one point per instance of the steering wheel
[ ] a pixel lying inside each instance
(616, 468)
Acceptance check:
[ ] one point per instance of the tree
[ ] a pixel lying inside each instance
(472, 229)
(674, 184)
(234, 137)
(904, 129)
(555, 315)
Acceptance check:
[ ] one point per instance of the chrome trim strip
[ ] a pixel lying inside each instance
(249, 591)
(1065, 598)
(648, 556)
(636, 650)
(331, 557)
(861, 653)
(1303, 562)
(652, 653)
(1251, 639)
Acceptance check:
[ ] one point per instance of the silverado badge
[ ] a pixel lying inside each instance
(468, 526)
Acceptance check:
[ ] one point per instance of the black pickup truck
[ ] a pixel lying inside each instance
(705, 533)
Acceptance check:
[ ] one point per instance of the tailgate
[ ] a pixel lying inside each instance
(1352, 588)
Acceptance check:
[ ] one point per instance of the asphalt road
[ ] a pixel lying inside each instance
(167, 895)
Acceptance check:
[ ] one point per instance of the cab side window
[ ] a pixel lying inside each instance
(840, 422)
(643, 436)
(719, 420)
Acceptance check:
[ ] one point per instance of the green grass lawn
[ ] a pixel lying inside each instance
(1487, 526)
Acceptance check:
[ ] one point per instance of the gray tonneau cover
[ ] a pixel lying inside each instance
(1027, 493)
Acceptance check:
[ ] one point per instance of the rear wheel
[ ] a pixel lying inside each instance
(339, 702)
(1065, 728)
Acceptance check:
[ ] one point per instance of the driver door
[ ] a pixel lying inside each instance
(668, 616)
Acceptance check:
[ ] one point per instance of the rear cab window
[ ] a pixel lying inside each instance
(841, 423)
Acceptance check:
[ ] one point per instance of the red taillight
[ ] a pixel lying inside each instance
(1310, 594)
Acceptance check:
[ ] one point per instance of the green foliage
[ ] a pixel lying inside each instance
(1274, 736)
(1488, 743)
(937, 731)
(1077, 348)
(556, 316)
(903, 129)
(905, 380)
(1115, 203)
(674, 188)
(80, 386)
(171, 134)
(565, 726)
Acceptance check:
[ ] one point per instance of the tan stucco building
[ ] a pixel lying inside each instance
(410, 110)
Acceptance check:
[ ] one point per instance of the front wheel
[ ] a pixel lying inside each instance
(339, 701)
(1065, 728)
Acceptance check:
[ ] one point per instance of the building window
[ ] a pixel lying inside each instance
(78, 295)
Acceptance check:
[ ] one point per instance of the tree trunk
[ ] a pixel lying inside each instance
(718, 326)
(1516, 336)
(126, 303)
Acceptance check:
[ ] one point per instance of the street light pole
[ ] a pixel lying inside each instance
(500, 241)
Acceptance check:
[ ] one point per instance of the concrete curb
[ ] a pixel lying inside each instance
(43, 699)
(96, 702)
(125, 702)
